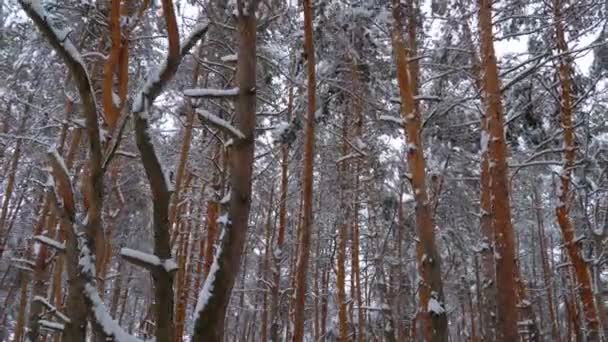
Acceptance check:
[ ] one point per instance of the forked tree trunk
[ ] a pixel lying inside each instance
(431, 297)
(307, 179)
(503, 230)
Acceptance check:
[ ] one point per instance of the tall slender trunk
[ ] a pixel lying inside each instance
(562, 210)
(503, 230)
(307, 178)
(278, 252)
(343, 236)
(431, 295)
(547, 282)
(356, 272)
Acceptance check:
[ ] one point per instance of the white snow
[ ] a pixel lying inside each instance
(148, 260)
(54, 154)
(223, 220)
(391, 118)
(207, 290)
(23, 261)
(144, 258)
(346, 157)
(50, 325)
(226, 198)
(51, 308)
(221, 123)
(103, 318)
(50, 242)
(435, 307)
(210, 92)
(484, 141)
(280, 128)
(229, 58)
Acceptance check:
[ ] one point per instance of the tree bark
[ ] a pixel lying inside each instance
(210, 314)
(503, 230)
(562, 210)
(434, 317)
(307, 179)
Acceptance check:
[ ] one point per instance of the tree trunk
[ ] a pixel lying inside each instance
(431, 295)
(581, 272)
(547, 282)
(211, 309)
(499, 183)
(278, 252)
(307, 179)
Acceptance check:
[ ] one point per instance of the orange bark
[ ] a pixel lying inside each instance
(503, 230)
(307, 178)
(429, 261)
(562, 210)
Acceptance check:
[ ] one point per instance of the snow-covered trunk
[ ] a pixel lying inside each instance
(213, 301)
(307, 178)
(486, 250)
(434, 322)
(501, 215)
(581, 272)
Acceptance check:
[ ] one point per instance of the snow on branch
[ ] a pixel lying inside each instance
(220, 123)
(157, 79)
(47, 241)
(435, 307)
(211, 93)
(109, 326)
(103, 319)
(52, 326)
(391, 118)
(23, 261)
(58, 38)
(347, 157)
(147, 260)
(207, 290)
(229, 58)
(61, 42)
(52, 309)
(63, 185)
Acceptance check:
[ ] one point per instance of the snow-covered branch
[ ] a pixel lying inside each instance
(211, 93)
(220, 123)
(52, 326)
(51, 309)
(63, 185)
(61, 42)
(391, 118)
(229, 58)
(47, 241)
(147, 260)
